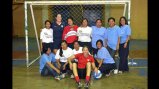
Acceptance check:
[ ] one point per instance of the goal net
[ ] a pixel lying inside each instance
(36, 12)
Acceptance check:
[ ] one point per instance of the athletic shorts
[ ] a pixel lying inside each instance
(81, 73)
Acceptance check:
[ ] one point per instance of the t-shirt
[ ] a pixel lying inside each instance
(112, 36)
(43, 60)
(78, 51)
(84, 34)
(98, 33)
(66, 54)
(82, 61)
(46, 35)
(58, 30)
(125, 32)
(103, 54)
(70, 34)
(52, 57)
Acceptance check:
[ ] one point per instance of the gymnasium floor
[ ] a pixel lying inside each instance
(29, 78)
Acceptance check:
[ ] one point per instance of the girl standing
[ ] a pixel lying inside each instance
(70, 32)
(124, 44)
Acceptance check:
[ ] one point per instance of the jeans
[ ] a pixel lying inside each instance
(47, 70)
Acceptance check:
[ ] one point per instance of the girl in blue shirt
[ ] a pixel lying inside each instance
(46, 68)
(124, 44)
(104, 62)
(98, 32)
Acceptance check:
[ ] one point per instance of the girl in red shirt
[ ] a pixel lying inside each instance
(82, 69)
(70, 32)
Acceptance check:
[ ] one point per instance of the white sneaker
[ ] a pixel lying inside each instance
(72, 76)
(107, 75)
(116, 71)
(57, 78)
(62, 75)
(120, 72)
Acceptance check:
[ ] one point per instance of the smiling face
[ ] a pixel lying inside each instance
(70, 22)
(98, 23)
(122, 21)
(76, 45)
(47, 25)
(85, 51)
(99, 45)
(84, 23)
(64, 45)
(59, 18)
(111, 22)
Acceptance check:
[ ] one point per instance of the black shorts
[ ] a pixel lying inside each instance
(81, 73)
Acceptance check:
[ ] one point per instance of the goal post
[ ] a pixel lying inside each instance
(86, 7)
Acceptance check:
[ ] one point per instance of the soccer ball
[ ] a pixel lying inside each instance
(97, 75)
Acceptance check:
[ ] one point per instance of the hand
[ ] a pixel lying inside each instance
(125, 45)
(58, 71)
(96, 70)
(70, 66)
(64, 67)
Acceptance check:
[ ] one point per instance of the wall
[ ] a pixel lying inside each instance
(138, 18)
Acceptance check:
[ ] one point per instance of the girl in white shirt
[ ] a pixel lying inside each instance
(61, 56)
(84, 34)
(46, 36)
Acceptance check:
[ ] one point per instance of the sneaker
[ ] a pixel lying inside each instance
(62, 75)
(120, 72)
(116, 71)
(79, 85)
(57, 78)
(86, 86)
(72, 76)
(107, 75)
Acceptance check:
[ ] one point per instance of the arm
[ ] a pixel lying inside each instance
(100, 62)
(94, 67)
(70, 59)
(41, 36)
(64, 33)
(106, 40)
(58, 63)
(53, 67)
(118, 43)
(127, 40)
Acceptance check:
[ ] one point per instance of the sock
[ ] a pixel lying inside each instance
(77, 79)
(87, 79)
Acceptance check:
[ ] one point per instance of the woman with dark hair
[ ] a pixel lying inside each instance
(70, 32)
(46, 36)
(104, 62)
(46, 68)
(98, 32)
(124, 44)
(113, 38)
(84, 34)
(82, 69)
(61, 56)
(57, 27)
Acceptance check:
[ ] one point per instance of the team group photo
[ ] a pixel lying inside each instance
(80, 45)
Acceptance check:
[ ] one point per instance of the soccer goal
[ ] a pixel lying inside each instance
(36, 12)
